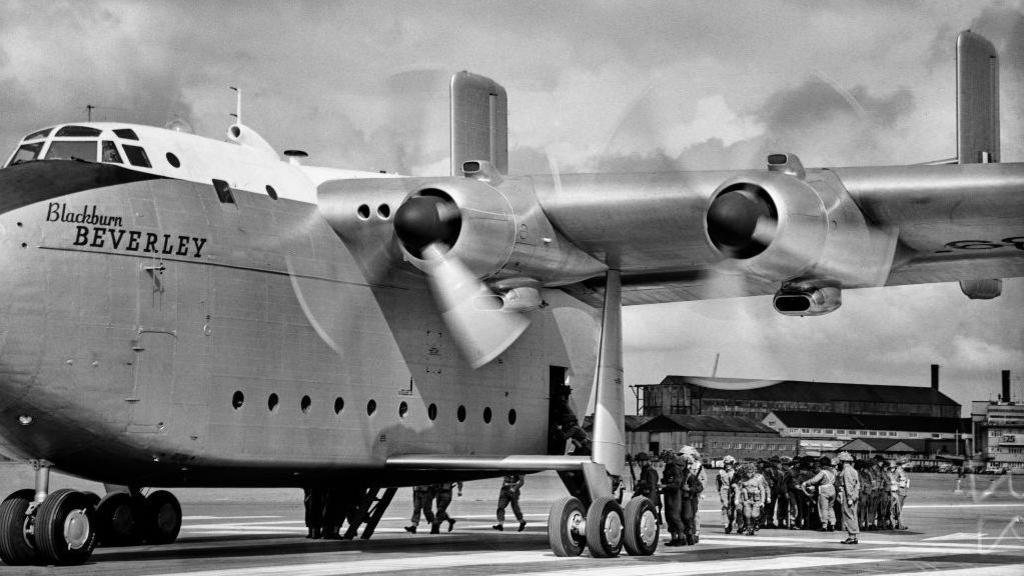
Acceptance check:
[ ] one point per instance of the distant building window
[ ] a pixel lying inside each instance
(872, 433)
(829, 431)
(137, 156)
(805, 430)
(817, 430)
(892, 433)
(913, 434)
(936, 435)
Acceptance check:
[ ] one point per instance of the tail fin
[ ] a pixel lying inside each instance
(479, 122)
(977, 99)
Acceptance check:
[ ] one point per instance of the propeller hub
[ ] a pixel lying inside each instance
(427, 219)
(737, 220)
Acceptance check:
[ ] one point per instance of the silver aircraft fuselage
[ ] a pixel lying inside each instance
(151, 334)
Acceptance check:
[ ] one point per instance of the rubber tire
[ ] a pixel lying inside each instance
(632, 537)
(163, 518)
(597, 516)
(120, 520)
(50, 520)
(563, 542)
(15, 547)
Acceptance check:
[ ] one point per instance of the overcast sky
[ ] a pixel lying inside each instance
(594, 86)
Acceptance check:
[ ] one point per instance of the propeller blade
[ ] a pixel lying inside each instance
(474, 314)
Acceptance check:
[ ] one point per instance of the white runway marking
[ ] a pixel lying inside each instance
(1008, 570)
(226, 517)
(683, 568)
(350, 566)
(957, 536)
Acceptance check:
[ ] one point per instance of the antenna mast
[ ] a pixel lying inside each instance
(238, 104)
(88, 111)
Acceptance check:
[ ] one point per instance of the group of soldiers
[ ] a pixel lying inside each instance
(682, 484)
(327, 509)
(809, 493)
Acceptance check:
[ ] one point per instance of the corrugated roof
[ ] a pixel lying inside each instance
(872, 422)
(633, 421)
(811, 391)
(690, 422)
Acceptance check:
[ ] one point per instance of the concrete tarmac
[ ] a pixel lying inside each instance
(978, 530)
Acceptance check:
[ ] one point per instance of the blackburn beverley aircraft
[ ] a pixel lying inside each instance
(179, 311)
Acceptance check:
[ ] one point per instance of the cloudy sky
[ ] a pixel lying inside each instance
(593, 86)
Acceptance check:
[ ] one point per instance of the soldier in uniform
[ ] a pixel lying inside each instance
(647, 483)
(902, 487)
(312, 501)
(690, 489)
(443, 495)
(766, 490)
(848, 491)
(752, 497)
(725, 492)
(863, 468)
(771, 477)
(794, 495)
(824, 484)
(671, 483)
(509, 494)
(879, 487)
(422, 500)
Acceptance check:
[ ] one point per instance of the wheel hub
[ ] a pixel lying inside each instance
(612, 529)
(76, 529)
(576, 524)
(648, 527)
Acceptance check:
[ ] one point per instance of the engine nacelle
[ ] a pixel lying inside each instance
(496, 229)
(780, 226)
(807, 299)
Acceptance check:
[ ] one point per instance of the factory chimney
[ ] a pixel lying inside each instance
(935, 377)
(1006, 385)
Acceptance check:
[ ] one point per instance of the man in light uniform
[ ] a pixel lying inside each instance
(848, 491)
(725, 494)
(902, 487)
(824, 483)
(752, 498)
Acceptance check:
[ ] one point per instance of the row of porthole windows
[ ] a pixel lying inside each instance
(273, 401)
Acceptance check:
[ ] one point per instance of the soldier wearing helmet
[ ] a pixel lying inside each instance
(647, 483)
(848, 493)
(725, 492)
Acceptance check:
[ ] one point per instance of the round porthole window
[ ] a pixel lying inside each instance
(512, 416)
(432, 411)
(272, 402)
(238, 399)
(339, 405)
(461, 414)
(305, 404)
(271, 192)
(173, 160)
(487, 415)
(403, 409)
(371, 407)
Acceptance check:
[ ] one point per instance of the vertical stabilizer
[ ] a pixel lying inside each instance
(479, 122)
(977, 99)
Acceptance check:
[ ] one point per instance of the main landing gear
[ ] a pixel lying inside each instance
(604, 527)
(63, 527)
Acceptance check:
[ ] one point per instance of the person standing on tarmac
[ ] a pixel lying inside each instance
(902, 488)
(824, 483)
(752, 497)
(671, 483)
(443, 495)
(647, 483)
(422, 500)
(690, 490)
(312, 501)
(848, 491)
(725, 494)
(509, 494)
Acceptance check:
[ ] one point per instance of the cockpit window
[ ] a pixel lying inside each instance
(26, 153)
(72, 150)
(39, 134)
(126, 133)
(78, 131)
(110, 153)
(137, 156)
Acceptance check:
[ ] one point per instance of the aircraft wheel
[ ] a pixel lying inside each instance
(65, 531)
(640, 533)
(119, 519)
(16, 546)
(164, 519)
(566, 525)
(604, 527)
